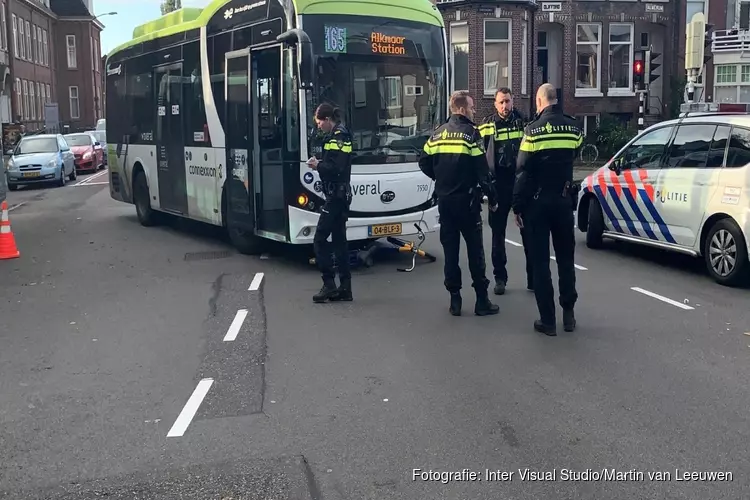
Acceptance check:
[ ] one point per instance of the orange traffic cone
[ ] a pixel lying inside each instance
(8, 249)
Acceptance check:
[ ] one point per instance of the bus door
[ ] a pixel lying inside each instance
(170, 144)
(239, 143)
(268, 140)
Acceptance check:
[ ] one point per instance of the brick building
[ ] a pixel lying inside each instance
(29, 25)
(584, 48)
(79, 68)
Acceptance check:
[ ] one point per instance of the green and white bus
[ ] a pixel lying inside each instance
(210, 114)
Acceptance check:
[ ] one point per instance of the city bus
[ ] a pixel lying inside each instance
(210, 114)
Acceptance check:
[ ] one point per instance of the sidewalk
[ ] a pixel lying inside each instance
(580, 172)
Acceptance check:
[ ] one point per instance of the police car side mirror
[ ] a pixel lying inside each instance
(616, 166)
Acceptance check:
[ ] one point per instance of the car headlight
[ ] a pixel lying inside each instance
(86, 156)
(11, 165)
(52, 163)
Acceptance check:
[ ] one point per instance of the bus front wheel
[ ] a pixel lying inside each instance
(245, 242)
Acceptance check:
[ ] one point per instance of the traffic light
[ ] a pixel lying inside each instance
(638, 69)
(707, 43)
(651, 65)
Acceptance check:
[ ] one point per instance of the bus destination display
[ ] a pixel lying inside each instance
(387, 44)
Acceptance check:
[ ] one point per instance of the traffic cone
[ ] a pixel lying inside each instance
(8, 249)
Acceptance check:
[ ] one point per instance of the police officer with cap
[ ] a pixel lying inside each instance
(335, 170)
(454, 157)
(502, 132)
(543, 203)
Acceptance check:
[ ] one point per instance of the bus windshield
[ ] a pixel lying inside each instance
(388, 79)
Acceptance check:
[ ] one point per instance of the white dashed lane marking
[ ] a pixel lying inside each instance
(234, 328)
(191, 408)
(516, 244)
(662, 298)
(257, 280)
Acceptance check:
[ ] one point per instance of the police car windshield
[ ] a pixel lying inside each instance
(388, 82)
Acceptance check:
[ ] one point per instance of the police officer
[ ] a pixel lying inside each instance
(335, 170)
(543, 203)
(454, 158)
(502, 132)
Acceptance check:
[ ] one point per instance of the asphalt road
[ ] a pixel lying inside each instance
(121, 374)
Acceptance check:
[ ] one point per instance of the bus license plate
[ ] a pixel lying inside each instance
(385, 229)
(31, 174)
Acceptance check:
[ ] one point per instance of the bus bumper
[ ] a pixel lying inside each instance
(302, 225)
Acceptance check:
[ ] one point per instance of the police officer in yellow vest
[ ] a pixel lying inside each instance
(502, 132)
(543, 202)
(454, 158)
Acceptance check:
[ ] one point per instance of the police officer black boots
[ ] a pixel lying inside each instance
(456, 304)
(326, 293)
(483, 306)
(569, 320)
(344, 293)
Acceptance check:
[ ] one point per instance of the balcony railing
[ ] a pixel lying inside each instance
(733, 40)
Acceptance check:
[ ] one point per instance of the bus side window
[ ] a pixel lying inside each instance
(194, 119)
(218, 46)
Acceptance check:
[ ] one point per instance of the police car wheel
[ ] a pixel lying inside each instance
(595, 228)
(726, 254)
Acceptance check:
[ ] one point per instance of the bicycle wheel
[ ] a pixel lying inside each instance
(589, 153)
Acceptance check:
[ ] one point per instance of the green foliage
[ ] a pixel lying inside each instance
(611, 135)
(168, 6)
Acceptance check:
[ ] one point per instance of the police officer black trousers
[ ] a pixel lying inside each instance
(457, 219)
(498, 221)
(552, 215)
(332, 222)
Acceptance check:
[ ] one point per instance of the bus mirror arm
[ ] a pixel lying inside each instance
(298, 37)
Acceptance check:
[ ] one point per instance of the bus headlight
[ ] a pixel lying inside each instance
(302, 200)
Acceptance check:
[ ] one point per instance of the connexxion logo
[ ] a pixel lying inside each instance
(232, 11)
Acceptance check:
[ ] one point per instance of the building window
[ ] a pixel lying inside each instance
(589, 123)
(524, 63)
(588, 57)
(45, 52)
(391, 91)
(496, 55)
(75, 110)
(21, 43)
(32, 101)
(70, 40)
(620, 58)
(29, 54)
(15, 35)
(96, 56)
(49, 98)
(728, 87)
(460, 56)
(3, 29)
(40, 99)
(34, 48)
(25, 100)
(39, 46)
(19, 99)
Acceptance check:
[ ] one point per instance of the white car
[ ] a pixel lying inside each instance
(682, 185)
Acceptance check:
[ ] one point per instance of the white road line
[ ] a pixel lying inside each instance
(91, 184)
(255, 284)
(17, 205)
(661, 297)
(514, 243)
(190, 409)
(234, 328)
(581, 268)
(89, 179)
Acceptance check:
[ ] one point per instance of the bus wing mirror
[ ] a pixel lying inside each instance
(299, 38)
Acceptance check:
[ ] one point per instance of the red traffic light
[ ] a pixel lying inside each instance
(638, 67)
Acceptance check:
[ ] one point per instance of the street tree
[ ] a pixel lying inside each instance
(168, 6)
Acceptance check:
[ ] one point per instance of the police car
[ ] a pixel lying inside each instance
(681, 185)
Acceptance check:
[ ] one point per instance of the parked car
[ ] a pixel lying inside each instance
(101, 136)
(40, 159)
(87, 150)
